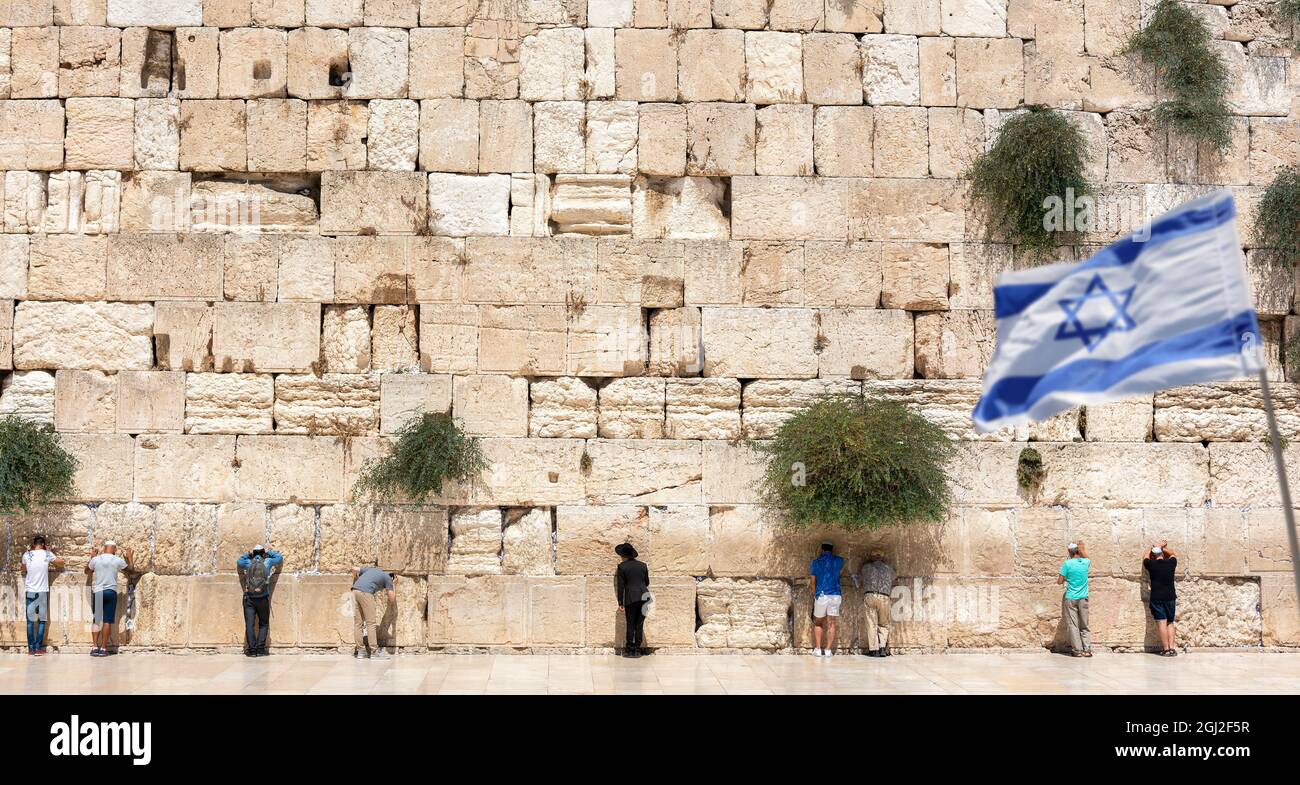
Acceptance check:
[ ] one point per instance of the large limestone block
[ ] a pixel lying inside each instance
(183, 336)
(1242, 474)
(28, 394)
(185, 538)
(297, 469)
(155, 201)
(531, 472)
(644, 272)
(789, 208)
(1267, 545)
(150, 401)
(155, 13)
(507, 610)
(842, 273)
(768, 404)
(831, 66)
(562, 408)
(774, 67)
(526, 340)
(240, 526)
(702, 409)
(197, 68)
(411, 539)
(373, 269)
(586, 536)
(606, 340)
(6, 334)
(449, 338)
(100, 336)
(394, 342)
(379, 58)
(945, 402)
(505, 136)
(31, 135)
(266, 337)
(177, 468)
(1120, 421)
(598, 204)
(476, 541)
(466, 205)
(254, 63)
(990, 73)
(103, 466)
(321, 610)
(345, 338)
(228, 403)
(891, 69)
(900, 144)
(688, 208)
(743, 614)
(85, 401)
(632, 408)
(783, 136)
(528, 270)
(526, 547)
(1226, 411)
(305, 270)
(334, 404)
(552, 63)
(277, 134)
(373, 203)
(646, 65)
(336, 135)
(672, 624)
(675, 342)
(15, 254)
(88, 203)
(556, 126)
(317, 61)
(218, 620)
(984, 474)
(720, 139)
(347, 537)
(732, 472)
(100, 133)
(842, 141)
(213, 136)
(954, 344)
(491, 405)
(437, 62)
(130, 525)
(89, 61)
(679, 539)
(661, 142)
(67, 267)
(907, 209)
(405, 396)
(165, 267)
(641, 471)
(449, 141)
(163, 619)
(394, 136)
(1165, 475)
(754, 343)
(864, 343)
(1279, 612)
(712, 66)
(915, 276)
(610, 136)
(1219, 612)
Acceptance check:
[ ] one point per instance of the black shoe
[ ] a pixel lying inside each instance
(885, 652)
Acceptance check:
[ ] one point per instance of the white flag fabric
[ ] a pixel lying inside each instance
(1166, 306)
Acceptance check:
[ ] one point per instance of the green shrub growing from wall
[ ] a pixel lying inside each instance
(431, 450)
(1029, 470)
(34, 467)
(1289, 11)
(1277, 219)
(1039, 156)
(856, 463)
(1178, 45)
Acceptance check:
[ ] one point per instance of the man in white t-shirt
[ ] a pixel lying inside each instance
(105, 567)
(36, 580)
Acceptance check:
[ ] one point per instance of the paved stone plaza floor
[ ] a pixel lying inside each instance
(1027, 673)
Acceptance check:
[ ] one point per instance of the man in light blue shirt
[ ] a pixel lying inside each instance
(1074, 605)
(825, 572)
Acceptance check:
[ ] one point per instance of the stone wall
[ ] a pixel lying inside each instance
(243, 240)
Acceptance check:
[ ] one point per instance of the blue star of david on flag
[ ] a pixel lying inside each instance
(1119, 320)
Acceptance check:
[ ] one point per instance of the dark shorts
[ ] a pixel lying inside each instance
(105, 604)
(1162, 611)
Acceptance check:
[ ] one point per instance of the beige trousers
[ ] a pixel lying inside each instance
(364, 617)
(877, 629)
(1076, 620)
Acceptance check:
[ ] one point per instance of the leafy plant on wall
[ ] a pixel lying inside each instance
(1178, 45)
(1289, 12)
(1030, 471)
(431, 451)
(34, 468)
(856, 463)
(1039, 157)
(1277, 219)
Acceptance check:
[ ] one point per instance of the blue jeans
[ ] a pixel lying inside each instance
(38, 613)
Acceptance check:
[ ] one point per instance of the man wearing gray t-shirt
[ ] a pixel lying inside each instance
(368, 581)
(104, 567)
(876, 579)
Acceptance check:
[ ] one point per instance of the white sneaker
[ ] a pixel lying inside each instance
(817, 652)
(828, 653)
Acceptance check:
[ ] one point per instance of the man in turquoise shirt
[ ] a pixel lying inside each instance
(1074, 605)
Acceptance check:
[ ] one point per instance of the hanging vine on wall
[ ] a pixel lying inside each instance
(1178, 45)
(34, 468)
(431, 451)
(1029, 470)
(1277, 219)
(1022, 183)
(856, 463)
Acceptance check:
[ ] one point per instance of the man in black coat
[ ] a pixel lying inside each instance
(632, 585)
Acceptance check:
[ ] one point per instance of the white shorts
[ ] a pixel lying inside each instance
(827, 605)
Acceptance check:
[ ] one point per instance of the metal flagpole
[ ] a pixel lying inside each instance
(1276, 439)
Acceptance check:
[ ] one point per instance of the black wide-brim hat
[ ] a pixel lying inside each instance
(625, 550)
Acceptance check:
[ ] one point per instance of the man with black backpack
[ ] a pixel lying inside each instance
(255, 568)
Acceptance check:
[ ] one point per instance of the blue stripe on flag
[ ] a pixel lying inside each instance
(1011, 299)
(1017, 394)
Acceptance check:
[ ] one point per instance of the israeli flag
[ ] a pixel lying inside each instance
(1166, 306)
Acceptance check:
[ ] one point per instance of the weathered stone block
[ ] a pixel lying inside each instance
(954, 344)
(297, 469)
(379, 58)
(689, 208)
(865, 343)
(762, 344)
(266, 337)
(394, 342)
(449, 338)
(643, 472)
(213, 136)
(990, 73)
(101, 336)
(720, 139)
(476, 541)
(505, 136)
(184, 468)
(712, 66)
(347, 537)
(85, 401)
(336, 135)
(783, 139)
(165, 267)
(404, 396)
(228, 403)
(671, 625)
(702, 409)
(150, 401)
(789, 208)
(774, 67)
(67, 267)
(336, 404)
(437, 62)
(743, 614)
(563, 408)
(150, 13)
(646, 65)
(31, 134)
(465, 205)
(767, 404)
(915, 276)
(531, 472)
(586, 536)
